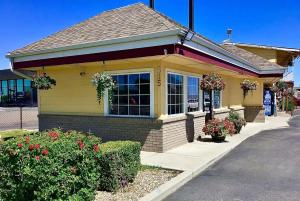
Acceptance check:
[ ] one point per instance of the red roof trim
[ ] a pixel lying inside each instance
(104, 56)
(139, 52)
(191, 53)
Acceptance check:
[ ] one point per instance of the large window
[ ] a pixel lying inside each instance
(192, 94)
(217, 99)
(175, 94)
(131, 96)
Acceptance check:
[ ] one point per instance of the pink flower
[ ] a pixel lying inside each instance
(20, 145)
(37, 158)
(45, 152)
(37, 146)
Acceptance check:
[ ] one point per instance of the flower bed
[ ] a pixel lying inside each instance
(64, 166)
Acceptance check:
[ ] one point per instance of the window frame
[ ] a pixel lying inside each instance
(185, 91)
(130, 72)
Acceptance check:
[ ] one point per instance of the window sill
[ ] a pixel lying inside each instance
(221, 110)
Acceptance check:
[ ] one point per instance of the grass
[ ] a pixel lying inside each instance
(14, 133)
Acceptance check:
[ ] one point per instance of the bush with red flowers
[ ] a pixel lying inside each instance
(218, 129)
(56, 165)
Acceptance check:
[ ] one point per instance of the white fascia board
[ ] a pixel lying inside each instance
(213, 50)
(140, 41)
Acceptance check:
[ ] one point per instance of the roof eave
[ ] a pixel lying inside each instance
(173, 32)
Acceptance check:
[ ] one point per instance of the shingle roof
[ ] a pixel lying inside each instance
(252, 58)
(133, 20)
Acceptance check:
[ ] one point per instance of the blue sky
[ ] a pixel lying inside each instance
(268, 22)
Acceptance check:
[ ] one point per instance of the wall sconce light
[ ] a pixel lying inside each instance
(82, 74)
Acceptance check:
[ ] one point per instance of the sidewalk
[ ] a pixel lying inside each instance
(194, 157)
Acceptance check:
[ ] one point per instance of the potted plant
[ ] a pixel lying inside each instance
(212, 82)
(43, 81)
(238, 121)
(103, 82)
(248, 85)
(218, 129)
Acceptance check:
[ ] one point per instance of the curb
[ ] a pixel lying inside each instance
(174, 184)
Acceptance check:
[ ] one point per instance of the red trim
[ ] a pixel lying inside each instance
(271, 75)
(105, 56)
(139, 52)
(188, 52)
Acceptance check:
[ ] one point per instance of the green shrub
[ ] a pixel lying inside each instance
(291, 105)
(238, 121)
(50, 166)
(14, 133)
(119, 164)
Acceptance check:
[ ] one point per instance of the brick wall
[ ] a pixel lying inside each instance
(154, 135)
(221, 114)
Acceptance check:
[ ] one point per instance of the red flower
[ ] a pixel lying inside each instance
(20, 145)
(81, 146)
(45, 152)
(54, 135)
(37, 146)
(38, 158)
(96, 148)
(31, 147)
(27, 139)
(79, 142)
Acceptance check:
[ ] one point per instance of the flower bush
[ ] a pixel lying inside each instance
(212, 82)
(56, 165)
(218, 129)
(238, 121)
(103, 82)
(248, 85)
(43, 81)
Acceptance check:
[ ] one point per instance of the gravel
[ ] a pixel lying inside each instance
(145, 182)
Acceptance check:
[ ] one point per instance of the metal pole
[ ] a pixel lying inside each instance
(191, 15)
(21, 117)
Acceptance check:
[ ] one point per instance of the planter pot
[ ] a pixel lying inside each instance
(218, 138)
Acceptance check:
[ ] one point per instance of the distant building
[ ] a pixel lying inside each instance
(16, 90)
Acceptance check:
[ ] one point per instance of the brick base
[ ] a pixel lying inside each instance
(155, 135)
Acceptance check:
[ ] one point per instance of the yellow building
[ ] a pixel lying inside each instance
(157, 65)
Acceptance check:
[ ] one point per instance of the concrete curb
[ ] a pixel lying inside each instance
(174, 184)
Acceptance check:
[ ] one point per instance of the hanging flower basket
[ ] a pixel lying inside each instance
(103, 82)
(43, 81)
(212, 82)
(248, 85)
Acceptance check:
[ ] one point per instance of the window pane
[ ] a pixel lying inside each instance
(19, 85)
(123, 89)
(123, 100)
(217, 99)
(145, 100)
(122, 79)
(145, 89)
(175, 94)
(130, 96)
(134, 100)
(123, 110)
(4, 88)
(114, 110)
(193, 94)
(145, 110)
(134, 110)
(134, 79)
(134, 89)
(145, 78)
